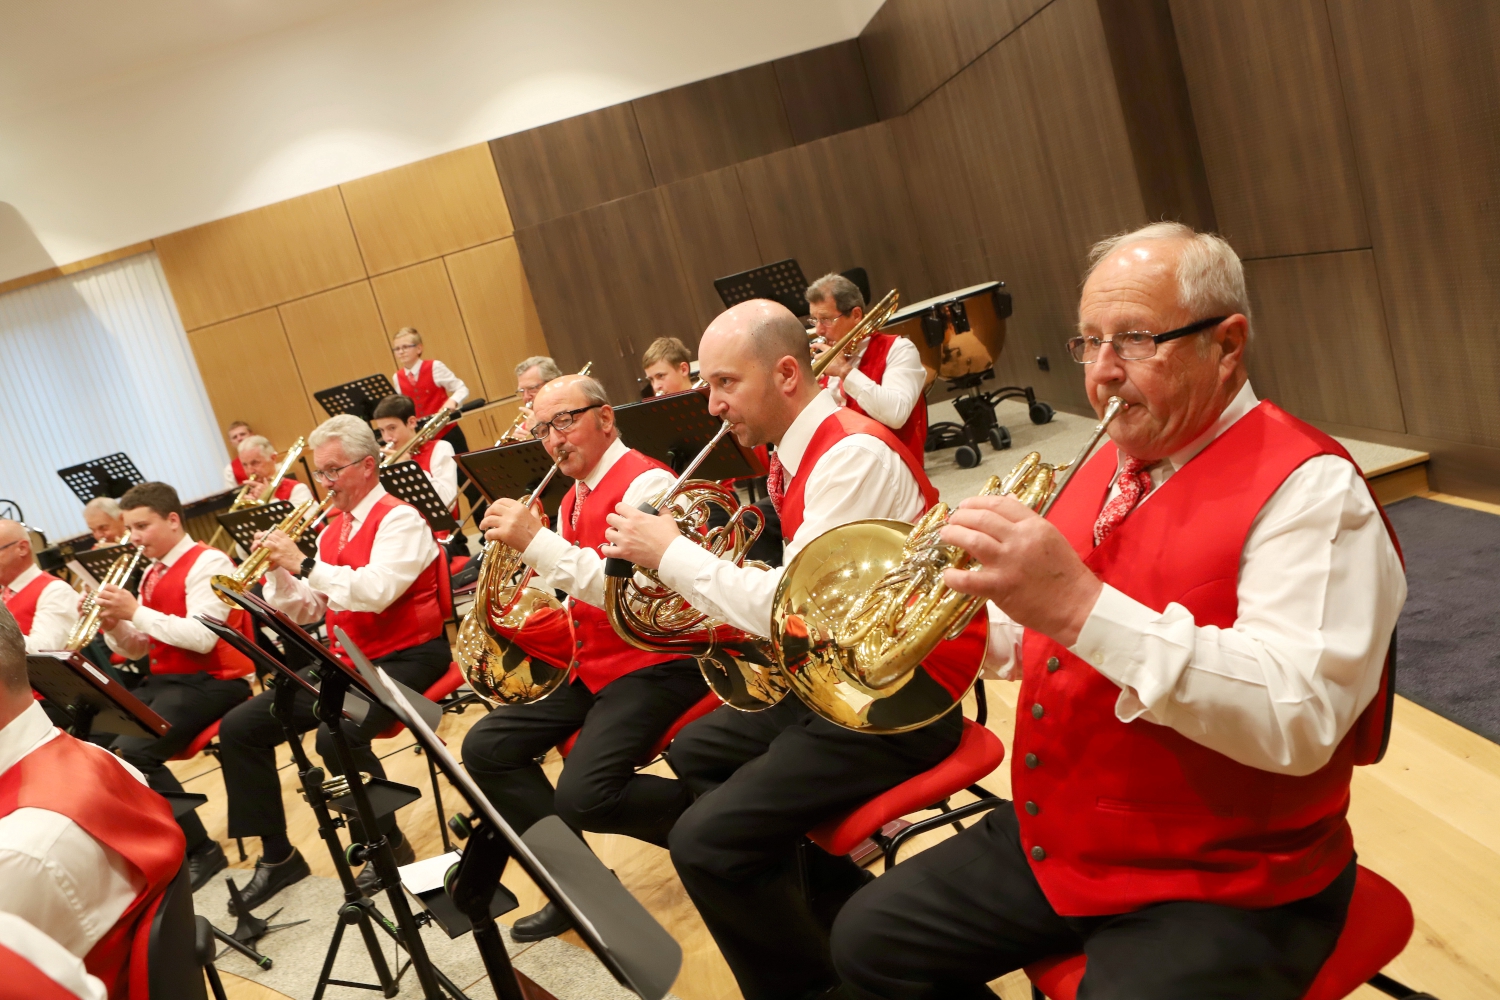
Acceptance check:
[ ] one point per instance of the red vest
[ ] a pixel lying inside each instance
(240, 475)
(284, 489)
(602, 655)
(428, 396)
(1131, 814)
(834, 428)
(91, 788)
(412, 619)
(168, 594)
(22, 604)
(22, 979)
(913, 433)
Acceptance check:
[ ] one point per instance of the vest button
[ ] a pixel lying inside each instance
(1031, 760)
(1039, 854)
(579, 644)
(1052, 664)
(1036, 711)
(573, 664)
(1032, 809)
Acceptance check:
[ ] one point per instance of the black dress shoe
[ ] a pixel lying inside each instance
(547, 922)
(369, 882)
(268, 880)
(204, 862)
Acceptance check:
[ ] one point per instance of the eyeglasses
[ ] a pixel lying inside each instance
(561, 422)
(1134, 345)
(327, 476)
(817, 322)
(405, 347)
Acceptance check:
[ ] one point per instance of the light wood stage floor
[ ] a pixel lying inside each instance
(1427, 817)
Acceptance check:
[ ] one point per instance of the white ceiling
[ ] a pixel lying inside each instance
(125, 120)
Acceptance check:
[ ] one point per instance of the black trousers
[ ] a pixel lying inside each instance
(762, 780)
(599, 789)
(249, 736)
(950, 919)
(191, 703)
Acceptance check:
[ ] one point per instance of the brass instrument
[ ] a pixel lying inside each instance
(869, 323)
(739, 667)
(434, 425)
(303, 518)
(248, 497)
(502, 603)
(517, 431)
(862, 606)
(90, 614)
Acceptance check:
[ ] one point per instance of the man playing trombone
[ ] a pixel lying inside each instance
(260, 460)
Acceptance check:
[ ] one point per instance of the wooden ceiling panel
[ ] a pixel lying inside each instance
(825, 91)
(713, 123)
(336, 337)
(271, 400)
(710, 224)
(494, 297)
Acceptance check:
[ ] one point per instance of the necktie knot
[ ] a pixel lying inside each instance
(1133, 482)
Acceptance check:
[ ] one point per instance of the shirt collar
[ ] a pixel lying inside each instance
(415, 369)
(362, 509)
(178, 551)
(612, 454)
(1243, 402)
(798, 436)
(23, 579)
(24, 734)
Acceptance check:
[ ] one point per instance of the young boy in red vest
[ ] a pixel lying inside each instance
(86, 849)
(395, 422)
(194, 676)
(668, 365)
(884, 377)
(431, 385)
(45, 607)
(1200, 627)
(621, 699)
(735, 849)
(260, 459)
(376, 576)
(234, 473)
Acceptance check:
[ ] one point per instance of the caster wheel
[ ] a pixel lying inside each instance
(1041, 413)
(999, 438)
(967, 456)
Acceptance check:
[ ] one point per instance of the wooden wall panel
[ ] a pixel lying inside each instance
(712, 123)
(260, 258)
(336, 337)
(838, 203)
(571, 165)
(608, 282)
(1270, 115)
(250, 374)
(825, 91)
(1320, 348)
(1422, 83)
(426, 209)
(710, 225)
(421, 296)
(494, 297)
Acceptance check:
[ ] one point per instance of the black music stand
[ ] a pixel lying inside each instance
(243, 525)
(365, 801)
(97, 561)
(616, 927)
(90, 697)
(780, 282)
(358, 397)
(406, 481)
(109, 476)
(514, 470)
(210, 504)
(673, 429)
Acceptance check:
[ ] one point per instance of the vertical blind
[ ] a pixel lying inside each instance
(91, 364)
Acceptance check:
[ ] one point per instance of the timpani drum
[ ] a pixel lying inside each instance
(958, 333)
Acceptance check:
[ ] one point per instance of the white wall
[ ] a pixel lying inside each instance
(98, 167)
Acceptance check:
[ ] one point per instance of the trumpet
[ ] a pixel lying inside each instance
(90, 615)
(434, 425)
(861, 610)
(869, 323)
(299, 522)
(503, 602)
(739, 667)
(248, 497)
(517, 430)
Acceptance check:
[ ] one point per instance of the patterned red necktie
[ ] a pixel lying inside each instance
(776, 482)
(580, 494)
(1134, 483)
(148, 585)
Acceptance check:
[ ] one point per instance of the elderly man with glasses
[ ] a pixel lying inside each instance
(620, 699)
(1200, 627)
(376, 576)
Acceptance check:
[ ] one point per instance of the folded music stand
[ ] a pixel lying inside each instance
(630, 943)
(243, 525)
(358, 397)
(406, 481)
(673, 429)
(91, 697)
(109, 476)
(514, 470)
(781, 282)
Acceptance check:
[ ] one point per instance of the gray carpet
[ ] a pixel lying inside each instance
(1449, 646)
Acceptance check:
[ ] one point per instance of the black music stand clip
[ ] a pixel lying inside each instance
(109, 476)
(406, 481)
(358, 397)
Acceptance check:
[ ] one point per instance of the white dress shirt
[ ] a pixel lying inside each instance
(444, 472)
(1320, 589)
(574, 569)
(50, 958)
(402, 549)
(231, 483)
(444, 377)
(859, 477)
(132, 639)
(300, 493)
(54, 875)
(56, 611)
(892, 398)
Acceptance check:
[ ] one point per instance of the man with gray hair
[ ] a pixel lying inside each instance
(376, 576)
(1201, 627)
(882, 376)
(105, 520)
(260, 459)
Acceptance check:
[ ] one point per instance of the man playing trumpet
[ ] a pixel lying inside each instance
(260, 459)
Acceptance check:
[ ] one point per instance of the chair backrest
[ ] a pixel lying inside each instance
(173, 969)
(445, 585)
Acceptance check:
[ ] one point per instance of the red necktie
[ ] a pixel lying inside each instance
(580, 494)
(776, 482)
(1134, 483)
(148, 585)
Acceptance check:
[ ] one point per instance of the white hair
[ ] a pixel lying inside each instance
(1210, 278)
(108, 506)
(260, 444)
(352, 434)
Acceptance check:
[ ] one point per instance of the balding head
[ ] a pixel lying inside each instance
(15, 556)
(578, 449)
(759, 331)
(756, 361)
